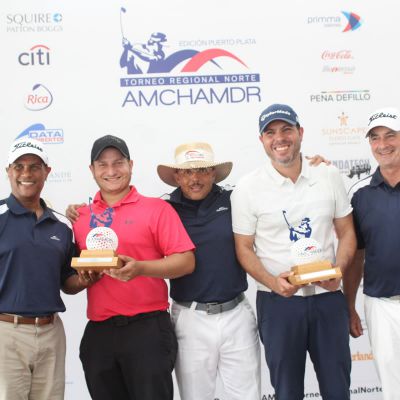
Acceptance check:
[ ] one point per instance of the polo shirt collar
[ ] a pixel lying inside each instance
(131, 197)
(177, 196)
(280, 179)
(377, 178)
(17, 208)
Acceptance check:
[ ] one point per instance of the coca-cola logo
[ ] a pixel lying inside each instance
(337, 55)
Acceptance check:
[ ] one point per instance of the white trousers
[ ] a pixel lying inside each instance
(32, 361)
(224, 345)
(383, 320)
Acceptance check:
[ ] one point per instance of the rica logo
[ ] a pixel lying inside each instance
(39, 98)
(149, 57)
(37, 55)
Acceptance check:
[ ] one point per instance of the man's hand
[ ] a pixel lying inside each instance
(128, 271)
(282, 286)
(72, 213)
(317, 159)
(330, 284)
(88, 277)
(356, 329)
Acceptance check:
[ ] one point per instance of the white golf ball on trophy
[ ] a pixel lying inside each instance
(310, 266)
(101, 243)
(102, 238)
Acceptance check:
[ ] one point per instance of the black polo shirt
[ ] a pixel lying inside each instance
(376, 210)
(35, 259)
(218, 276)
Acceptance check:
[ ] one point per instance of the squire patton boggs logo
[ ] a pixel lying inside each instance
(348, 21)
(38, 98)
(42, 134)
(36, 55)
(34, 22)
(183, 77)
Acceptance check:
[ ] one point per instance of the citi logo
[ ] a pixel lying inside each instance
(36, 55)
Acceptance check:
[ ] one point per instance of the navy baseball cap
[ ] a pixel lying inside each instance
(108, 141)
(277, 112)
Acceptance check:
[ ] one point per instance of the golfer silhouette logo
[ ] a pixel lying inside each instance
(303, 230)
(149, 57)
(104, 219)
(136, 56)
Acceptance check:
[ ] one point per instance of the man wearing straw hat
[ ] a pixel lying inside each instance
(214, 323)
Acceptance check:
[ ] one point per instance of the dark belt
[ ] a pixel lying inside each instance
(17, 319)
(214, 308)
(122, 320)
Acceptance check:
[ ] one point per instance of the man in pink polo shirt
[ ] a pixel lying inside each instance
(128, 349)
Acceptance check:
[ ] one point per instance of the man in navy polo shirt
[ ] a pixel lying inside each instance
(214, 323)
(35, 257)
(377, 216)
(273, 208)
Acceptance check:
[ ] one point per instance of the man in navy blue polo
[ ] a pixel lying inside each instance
(214, 322)
(35, 257)
(377, 215)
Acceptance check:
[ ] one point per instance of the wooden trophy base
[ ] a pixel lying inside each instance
(96, 260)
(313, 272)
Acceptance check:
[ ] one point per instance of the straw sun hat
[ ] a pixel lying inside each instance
(190, 156)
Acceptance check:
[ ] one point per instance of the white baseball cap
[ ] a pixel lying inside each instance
(388, 117)
(27, 146)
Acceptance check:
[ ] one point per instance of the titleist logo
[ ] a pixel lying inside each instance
(26, 144)
(381, 115)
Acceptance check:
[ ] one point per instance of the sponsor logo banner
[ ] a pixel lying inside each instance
(42, 134)
(39, 98)
(33, 22)
(203, 74)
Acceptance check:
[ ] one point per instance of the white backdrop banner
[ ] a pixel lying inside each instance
(161, 73)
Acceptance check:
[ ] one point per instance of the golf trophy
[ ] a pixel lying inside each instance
(101, 243)
(309, 265)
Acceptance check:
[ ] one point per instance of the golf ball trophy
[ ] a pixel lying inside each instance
(309, 264)
(101, 243)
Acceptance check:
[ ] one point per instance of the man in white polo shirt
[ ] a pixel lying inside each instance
(274, 207)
